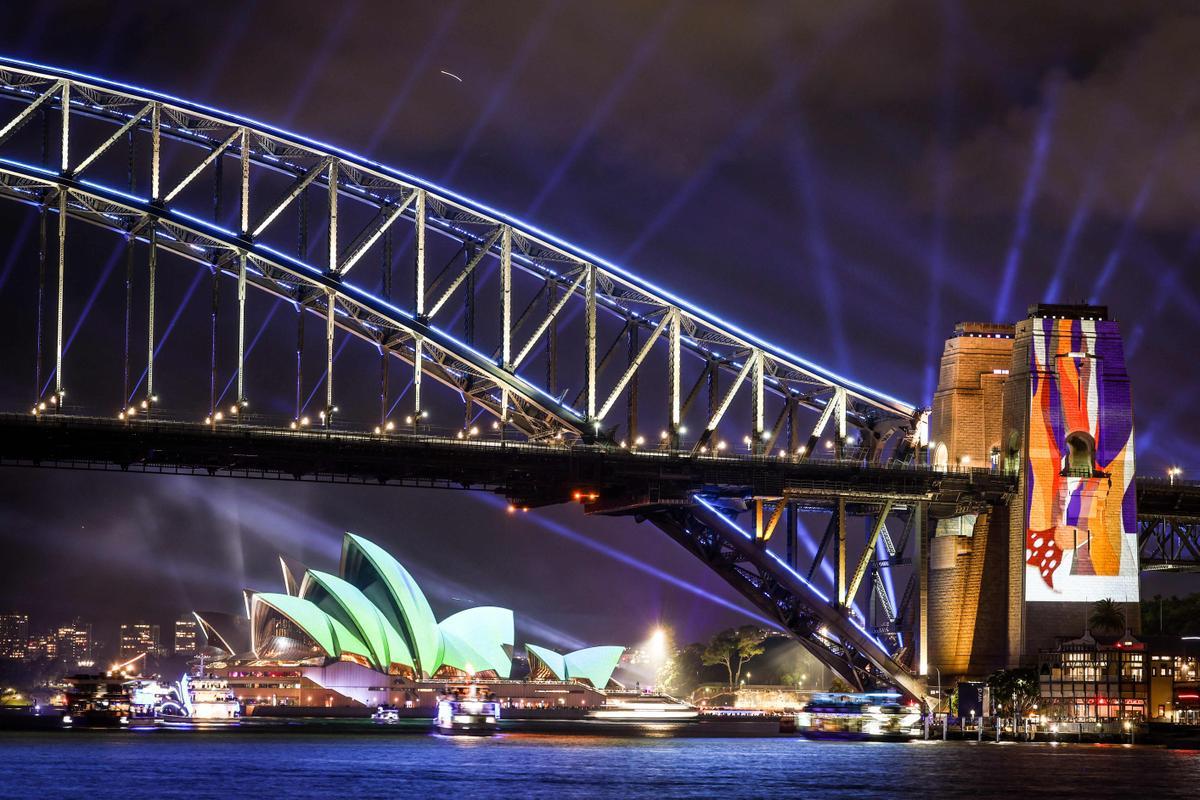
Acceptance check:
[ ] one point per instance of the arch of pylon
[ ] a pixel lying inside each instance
(64, 136)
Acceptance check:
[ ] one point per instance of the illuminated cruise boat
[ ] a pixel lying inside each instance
(467, 711)
(871, 715)
(639, 707)
(202, 701)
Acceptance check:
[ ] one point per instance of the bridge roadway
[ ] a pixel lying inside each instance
(529, 475)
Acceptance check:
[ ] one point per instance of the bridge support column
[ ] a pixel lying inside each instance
(840, 552)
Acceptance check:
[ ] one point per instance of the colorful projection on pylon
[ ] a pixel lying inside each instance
(1081, 534)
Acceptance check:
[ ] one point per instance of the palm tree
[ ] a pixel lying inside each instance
(1107, 616)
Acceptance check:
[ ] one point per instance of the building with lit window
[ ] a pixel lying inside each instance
(138, 638)
(368, 636)
(1083, 680)
(187, 636)
(75, 642)
(1149, 678)
(14, 636)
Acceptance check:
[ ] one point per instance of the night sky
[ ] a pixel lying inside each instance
(848, 179)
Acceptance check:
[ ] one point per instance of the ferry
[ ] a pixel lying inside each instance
(639, 707)
(96, 701)
(386, 714)
(857, 716)
(202, 701)
(467, 710)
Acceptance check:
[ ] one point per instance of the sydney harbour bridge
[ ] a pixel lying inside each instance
(487, 355)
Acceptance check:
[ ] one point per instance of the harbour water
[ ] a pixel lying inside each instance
(170, 764)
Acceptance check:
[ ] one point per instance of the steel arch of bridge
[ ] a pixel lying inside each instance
(414, 334)
(418, 335)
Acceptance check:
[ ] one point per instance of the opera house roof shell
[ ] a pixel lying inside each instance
(373, 613)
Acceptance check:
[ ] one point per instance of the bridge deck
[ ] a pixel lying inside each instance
(528, 474)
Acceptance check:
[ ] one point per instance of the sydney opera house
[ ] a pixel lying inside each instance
(368, 636)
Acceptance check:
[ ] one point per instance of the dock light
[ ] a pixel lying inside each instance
(42, 406)
(145, 404)
(233, 410)
(828, 444)
(495, 425)
(525, 509)
(623, 445)
(378, 430)
(408, 420)
(459, 435)
(208, 421)
(54, 400)
(303, 421)
(801, 450)
(965, 460)
(703, 449)
(639, 441)
(682, 429)
(131, 412)
(746, 440)
(578, 495)
(389, 426)
(220, 416)
(120, 415)
(663, 435)
(294, 426)
(782, 453)
(424, 414)
(1173, 473)
(721, 445)
(321, 416)
(766, 435)
(474, 430)
(153, 398)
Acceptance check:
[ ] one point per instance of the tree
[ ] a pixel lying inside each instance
(680, 674)
(1014, 691)
(839, 686)
(1107, 616)
(732, 648)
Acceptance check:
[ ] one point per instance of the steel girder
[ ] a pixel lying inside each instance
(1169, 544)
(390, 195)
(822, 626)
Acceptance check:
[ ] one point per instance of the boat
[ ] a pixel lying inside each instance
(202, 701)
(96, 701)
(858, 716)
(386, 714)
(640, 707)
(467, 711)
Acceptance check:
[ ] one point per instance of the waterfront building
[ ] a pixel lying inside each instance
(138, 638)
(1148, 678)
(14, 636)
(368, 636)
(187, 636)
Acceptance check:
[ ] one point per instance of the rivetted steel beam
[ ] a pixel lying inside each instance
(18, 122)
(419, 273)
(589, 291)
(467, 269)
(330, 330)
(637, 362)
(868, 552)
(723, 406)
(358, 252)
(244, 146)
(332, 231)
(62, 269)
(537, 334)
(152, 271)
(295, 190)
(212, 156)
(116, 137)
(673, 374)
(241, 334)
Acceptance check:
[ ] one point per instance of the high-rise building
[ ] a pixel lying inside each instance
(14, 636)
(138, 638)
(43, 645)
(75, 642)
(186, 641)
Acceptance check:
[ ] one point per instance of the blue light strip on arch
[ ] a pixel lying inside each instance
(897, 405)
